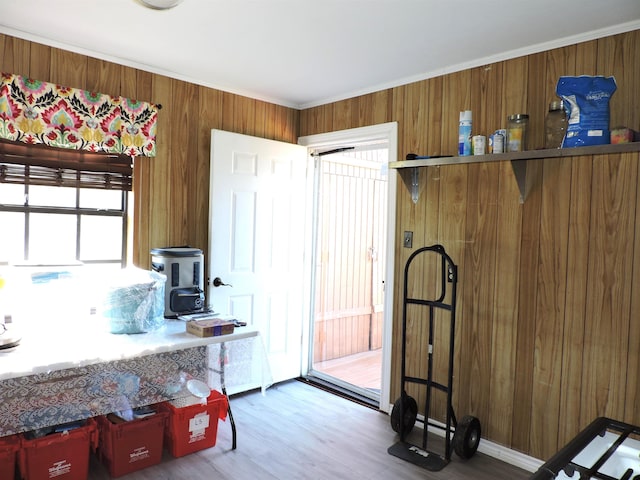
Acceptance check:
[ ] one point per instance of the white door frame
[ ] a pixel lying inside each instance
(389, 132)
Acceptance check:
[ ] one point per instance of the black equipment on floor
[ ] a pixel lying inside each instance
(441, 275)
(605, 449)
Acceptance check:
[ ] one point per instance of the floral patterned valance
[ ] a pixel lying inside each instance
(36, 112)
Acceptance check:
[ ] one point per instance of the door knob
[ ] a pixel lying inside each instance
(217, 282)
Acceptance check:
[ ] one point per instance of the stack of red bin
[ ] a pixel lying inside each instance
(123, 447)
(9, 447)
(63, 455)
(194, 427)
(131, 446)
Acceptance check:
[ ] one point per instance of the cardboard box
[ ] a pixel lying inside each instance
(211, 327)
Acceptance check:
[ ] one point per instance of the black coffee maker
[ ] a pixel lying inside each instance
(184, 268)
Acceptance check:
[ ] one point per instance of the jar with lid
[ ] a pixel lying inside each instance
(517, 132)
(555, 125)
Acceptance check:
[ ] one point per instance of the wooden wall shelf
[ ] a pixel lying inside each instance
(409, 173)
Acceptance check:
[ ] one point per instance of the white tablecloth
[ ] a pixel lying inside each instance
(56, 375)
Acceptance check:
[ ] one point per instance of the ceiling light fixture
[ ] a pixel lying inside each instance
(160, 4)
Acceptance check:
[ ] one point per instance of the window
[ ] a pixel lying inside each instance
(63, 207)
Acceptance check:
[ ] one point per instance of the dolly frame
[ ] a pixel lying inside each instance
(466, 434)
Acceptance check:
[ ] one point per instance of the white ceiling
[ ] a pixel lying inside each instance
(303, 53)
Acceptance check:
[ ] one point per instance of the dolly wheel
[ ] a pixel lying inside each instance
(467, 437)
(409, 407)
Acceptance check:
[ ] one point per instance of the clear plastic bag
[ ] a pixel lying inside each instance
(134, 301)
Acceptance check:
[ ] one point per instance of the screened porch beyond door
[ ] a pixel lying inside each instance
(349, 269)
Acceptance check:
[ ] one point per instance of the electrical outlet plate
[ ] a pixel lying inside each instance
(407, 242)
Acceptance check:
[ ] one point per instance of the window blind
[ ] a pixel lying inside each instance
(40, 165)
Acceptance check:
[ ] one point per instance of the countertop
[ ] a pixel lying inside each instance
(49, 346)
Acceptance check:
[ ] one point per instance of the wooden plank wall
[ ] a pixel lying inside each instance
(172, 189)
(548, 335)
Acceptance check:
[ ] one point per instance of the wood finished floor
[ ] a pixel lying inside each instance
(361, 369)
(297, 431)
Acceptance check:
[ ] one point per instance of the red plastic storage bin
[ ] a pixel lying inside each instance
(131, 446)
(63, 456)
(194, 427)
(9, 447)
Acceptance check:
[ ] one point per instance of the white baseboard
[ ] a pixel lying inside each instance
(495, 450)
(507, 455)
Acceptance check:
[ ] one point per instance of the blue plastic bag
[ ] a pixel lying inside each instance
(586, 102)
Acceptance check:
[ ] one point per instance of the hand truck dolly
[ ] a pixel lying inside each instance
(464, 437)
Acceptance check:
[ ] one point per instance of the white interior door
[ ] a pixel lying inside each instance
(257, 241)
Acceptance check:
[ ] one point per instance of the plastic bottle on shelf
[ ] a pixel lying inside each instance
(555, 125)
(464, 133)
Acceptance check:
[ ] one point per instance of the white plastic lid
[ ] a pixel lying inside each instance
(466, 116)
(198, 388)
